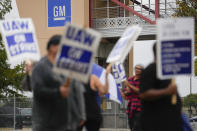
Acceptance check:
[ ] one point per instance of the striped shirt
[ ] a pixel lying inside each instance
(134, 103)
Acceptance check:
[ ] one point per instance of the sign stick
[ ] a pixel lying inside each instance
(174, 98)
(67, 83)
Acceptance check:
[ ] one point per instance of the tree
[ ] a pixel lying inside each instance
(10, 78)
(195, 67)
(190, 101)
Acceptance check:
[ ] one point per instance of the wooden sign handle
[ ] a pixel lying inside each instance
(67, 83)
(109, 65)
(174, 97)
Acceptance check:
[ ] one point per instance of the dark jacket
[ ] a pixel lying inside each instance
(26, 83)
(49, 108)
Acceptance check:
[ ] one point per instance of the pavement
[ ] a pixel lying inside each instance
(29, 129)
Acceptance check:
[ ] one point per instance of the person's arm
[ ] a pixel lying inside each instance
(135, 89)
(83, 110)
(153, 94)
(81, 100)
(42, 92)
(97, 85)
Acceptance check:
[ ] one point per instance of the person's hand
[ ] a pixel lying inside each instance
(108, 69)
(128, 89)
(81, 123)
(123, 95)
(28, 69)
(64, 91)
(172, 89)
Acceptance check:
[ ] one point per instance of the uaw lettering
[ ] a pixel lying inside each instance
(19, 42)
(118, 73)
(80, 36)
(15, 25)
(74, 59)
(176, 57)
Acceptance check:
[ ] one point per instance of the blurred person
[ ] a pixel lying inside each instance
(26, 82)
(49, 92)
(131, 93)
(76, 107)
(94, 89)
(158, 113)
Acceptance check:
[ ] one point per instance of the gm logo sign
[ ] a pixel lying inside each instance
(59, 12)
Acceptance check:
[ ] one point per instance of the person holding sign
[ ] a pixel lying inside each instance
(26, 83)
(49, 93)
(131, 93)
(158, 113)
(94, 88)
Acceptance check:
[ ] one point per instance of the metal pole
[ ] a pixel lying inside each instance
(107, 8)
(149, 6)
(190, 84)
(90, 13)
(124, 10)
(156, 9)
(14, 111)
(133, 4)
(115, 115)
(165, 6)
(141, 6)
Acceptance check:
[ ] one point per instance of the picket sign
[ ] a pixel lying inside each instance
(76, 52)
(175, 48)
(124, 44)
(20, 40)
(121, 50)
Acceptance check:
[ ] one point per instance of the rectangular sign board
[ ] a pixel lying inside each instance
(124, 44)
(76, 52)
(20, 40)
(175, 47)
(59, 12)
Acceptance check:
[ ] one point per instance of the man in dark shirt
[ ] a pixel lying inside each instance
(49, 93)
(158, 113)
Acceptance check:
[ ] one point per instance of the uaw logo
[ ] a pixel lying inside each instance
(21, 43)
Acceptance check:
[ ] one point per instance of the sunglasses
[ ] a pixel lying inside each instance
(138, 68)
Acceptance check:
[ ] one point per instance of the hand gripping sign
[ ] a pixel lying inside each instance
(124, 44)
(76, 52)
(19, 40)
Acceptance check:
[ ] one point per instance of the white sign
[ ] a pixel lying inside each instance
(124, 45)
(118, 73)
(76, 53)
(175, 47)
(19, 39)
